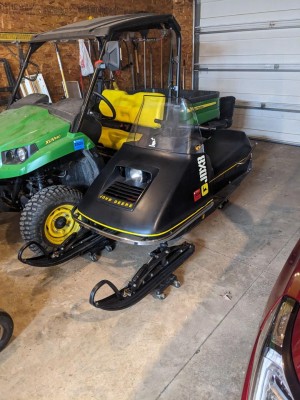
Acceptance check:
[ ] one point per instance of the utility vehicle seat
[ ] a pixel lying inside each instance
(225, 148)
(127, 107)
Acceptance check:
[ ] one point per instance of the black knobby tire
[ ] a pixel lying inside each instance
(34, 221)
(6, 329)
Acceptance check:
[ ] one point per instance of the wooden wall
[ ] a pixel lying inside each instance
(34, 16)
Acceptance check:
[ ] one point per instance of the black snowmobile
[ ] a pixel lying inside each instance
(164, 180)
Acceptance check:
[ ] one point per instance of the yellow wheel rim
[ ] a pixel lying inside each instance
(59, 224)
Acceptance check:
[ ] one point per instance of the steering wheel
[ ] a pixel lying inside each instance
(108, 103)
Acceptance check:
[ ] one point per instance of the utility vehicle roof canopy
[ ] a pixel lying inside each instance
(109, 27)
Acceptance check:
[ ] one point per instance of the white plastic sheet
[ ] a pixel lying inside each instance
(84, 60)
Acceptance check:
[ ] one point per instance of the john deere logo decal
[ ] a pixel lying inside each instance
(115, 202)
(53, 139)
(203, 174)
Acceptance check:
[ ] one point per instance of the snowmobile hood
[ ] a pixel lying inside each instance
(30, 125)
(153, 211)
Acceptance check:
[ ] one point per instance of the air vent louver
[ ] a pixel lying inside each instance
(124, 192)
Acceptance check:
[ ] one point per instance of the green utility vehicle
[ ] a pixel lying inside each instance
(51, 152)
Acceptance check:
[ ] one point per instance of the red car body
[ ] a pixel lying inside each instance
(274, 367)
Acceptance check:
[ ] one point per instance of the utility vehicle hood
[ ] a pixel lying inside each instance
(34, 125)
(29, 125)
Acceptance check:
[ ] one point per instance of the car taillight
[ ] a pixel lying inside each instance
(272, 360)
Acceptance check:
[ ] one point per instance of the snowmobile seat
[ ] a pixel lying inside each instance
(225, 148)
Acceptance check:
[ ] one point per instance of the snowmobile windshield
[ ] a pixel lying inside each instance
(167, 124)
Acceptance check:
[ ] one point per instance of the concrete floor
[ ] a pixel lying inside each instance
(193, 345)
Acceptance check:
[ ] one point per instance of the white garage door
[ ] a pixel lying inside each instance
(251, 49)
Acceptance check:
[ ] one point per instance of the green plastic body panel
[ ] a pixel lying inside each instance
(206, 104)
(207, 110)
(34, 125)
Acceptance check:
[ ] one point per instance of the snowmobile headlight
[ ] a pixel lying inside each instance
(136, 175)
(18, 155)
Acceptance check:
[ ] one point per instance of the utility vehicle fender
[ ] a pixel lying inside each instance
(55, 149)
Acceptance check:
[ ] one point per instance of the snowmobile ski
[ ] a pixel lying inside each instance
(76, 245)
(154, 276)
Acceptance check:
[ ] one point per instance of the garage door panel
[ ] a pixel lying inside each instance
(270, 77)
(246, 84)
(219, 22)
(264, 121)
(244, 47)
(271, 34)
(221, 8)
(255, 114)
(251, 46)
(246, 99)
(284, 60)
(292, 139)
(271, 125)
(216, 13)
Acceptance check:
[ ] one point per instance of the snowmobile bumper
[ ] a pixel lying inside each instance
(76, 245)
(142, 240)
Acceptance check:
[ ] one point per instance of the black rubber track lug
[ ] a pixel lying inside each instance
(160, 269)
